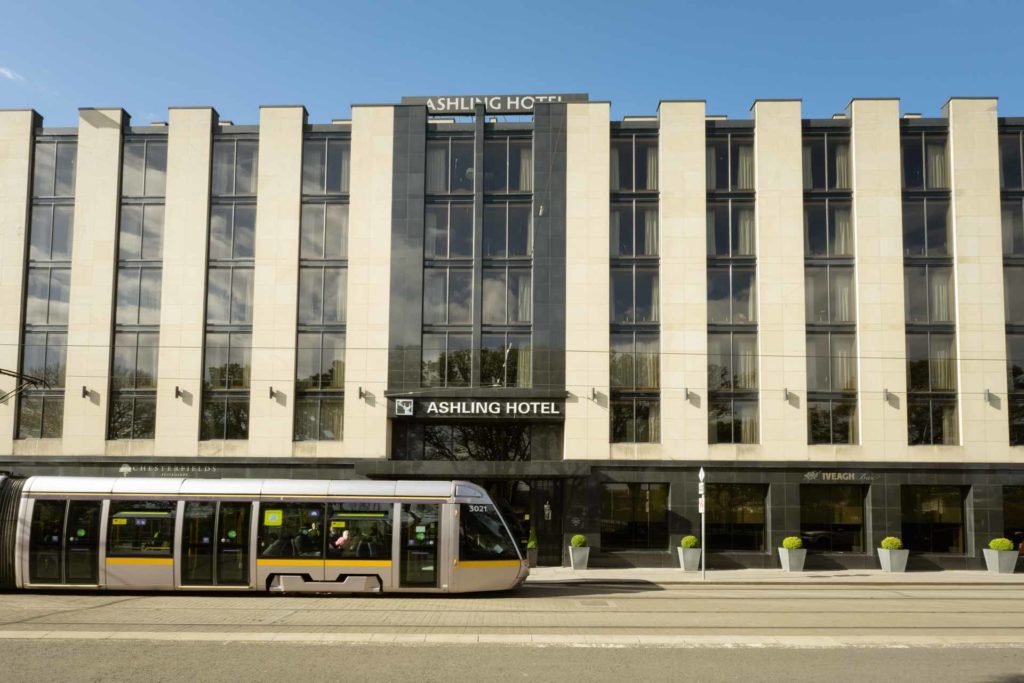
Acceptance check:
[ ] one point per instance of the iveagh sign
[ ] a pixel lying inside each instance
(493, 104)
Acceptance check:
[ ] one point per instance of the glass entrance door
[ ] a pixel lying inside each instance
(64, 542)
(215, 544)
(421, 533)
(634, 516)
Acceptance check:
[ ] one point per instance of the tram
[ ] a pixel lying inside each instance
(277, 535)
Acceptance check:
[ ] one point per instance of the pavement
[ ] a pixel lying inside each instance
(770, 576)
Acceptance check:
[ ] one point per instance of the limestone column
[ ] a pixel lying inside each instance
(978, 271)
(275, 288)
(369, 277)
(183, 289)
(878, 234)
(93, 273)
(781, 332)
(682, 184)
(16, 129)
(587, 281)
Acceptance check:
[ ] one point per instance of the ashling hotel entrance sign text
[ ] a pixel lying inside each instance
(493, 104)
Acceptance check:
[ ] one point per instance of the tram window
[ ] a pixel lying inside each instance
(359, 531)
(482, 536)
(292, 530)
(141, 528)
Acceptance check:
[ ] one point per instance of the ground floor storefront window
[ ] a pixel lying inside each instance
(1013, 514)
(736, 517)
(832, 517)
(634, 516)
(933, 518)
(480, 441)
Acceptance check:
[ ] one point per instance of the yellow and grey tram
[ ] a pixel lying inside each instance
(275, 535)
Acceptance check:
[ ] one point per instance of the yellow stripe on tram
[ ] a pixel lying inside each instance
(140, 560)
(488, 563)
(358, 563)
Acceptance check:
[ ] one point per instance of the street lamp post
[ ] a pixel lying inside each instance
(703, 527)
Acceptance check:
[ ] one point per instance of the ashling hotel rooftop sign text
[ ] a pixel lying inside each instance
(493, 104)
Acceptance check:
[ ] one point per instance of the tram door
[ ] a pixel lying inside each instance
(64, 542)
(420, 545)
(215, 544)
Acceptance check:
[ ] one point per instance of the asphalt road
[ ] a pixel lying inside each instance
(541, 632)
(154, 662)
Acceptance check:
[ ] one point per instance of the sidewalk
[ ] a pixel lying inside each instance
(541, 575)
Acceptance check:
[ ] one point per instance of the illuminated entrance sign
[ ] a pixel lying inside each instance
(449, 408)
(493, 104)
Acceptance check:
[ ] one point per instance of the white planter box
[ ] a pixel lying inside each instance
(579, 557)
(1001, 561)
(894, 561)
(689, 559)
(793, 560)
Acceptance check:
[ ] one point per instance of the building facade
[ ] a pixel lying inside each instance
(579, 313)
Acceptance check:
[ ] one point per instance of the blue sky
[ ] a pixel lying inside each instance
(57, 57)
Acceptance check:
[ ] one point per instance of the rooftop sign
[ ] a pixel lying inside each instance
(493, 104)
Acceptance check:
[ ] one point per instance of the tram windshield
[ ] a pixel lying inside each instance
(483, 536)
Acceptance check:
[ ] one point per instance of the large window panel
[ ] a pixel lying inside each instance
(933, 518)
(736, 517)
(1011, 171)
(832, 517)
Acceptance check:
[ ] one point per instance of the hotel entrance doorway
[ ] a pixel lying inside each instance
(532, 504)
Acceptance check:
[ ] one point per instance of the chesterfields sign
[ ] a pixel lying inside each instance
(493, 104)
(471, 408)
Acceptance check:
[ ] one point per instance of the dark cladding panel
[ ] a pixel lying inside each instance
(549, 144)
(406, 294)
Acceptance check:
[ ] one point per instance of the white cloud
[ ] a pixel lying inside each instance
(10, 74)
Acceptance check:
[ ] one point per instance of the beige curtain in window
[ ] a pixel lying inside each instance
(940, 293)
(844, 232)
(710, 166)
(745, 172)
(652, 168)
(524, 367)
(746, 245)
(842, 162)
(942, 363)
(647, 364)
(651, 232)
(654, 422)
(851, 439)
(748, 424)
(950, 435)
(844, 363)
(808, 177)
(752, 301)
(745, 361)
(616, 180)
(524, 293)
(526, 169)
(935, 160)
(712, 242)
(437, 169)
(655, 299)
(842, 295)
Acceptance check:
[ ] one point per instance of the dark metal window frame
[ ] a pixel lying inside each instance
(1014, 195)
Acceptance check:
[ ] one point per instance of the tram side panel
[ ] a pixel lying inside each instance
(487, 557)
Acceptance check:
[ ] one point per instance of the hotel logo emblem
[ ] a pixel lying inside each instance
(403, 407)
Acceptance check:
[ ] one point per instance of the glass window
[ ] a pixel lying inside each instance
(54, 169)
(1016, 421)
(634, 516)
(324, 232)
(814, 163)
(505, 360)
(1013, 514)
(933, 518)
(736, 516)
(291, 530)
(929, 294)
(141, 528)
(635, 420)
(832, 421)
(717, 163)
(634, 229)
(44, 355)
(234, 167)
(48, 296)
(135, 360)
(832, 517)
(446, 359)
(1013, 287)
(913, 163)
(483, 535)
(1013, 228)
(732, 295)
(932, 422)
(1015, 361)
(51, 233)
(326, 166)
(144, 168)
(225, 417)
(132, 417)
(732, 420)
(448, 230)
(1010, 172)
(359, 531)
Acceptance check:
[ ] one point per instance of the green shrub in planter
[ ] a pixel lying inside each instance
(792, 543)
(1000, 544)
(531, 542)
(892, 543)
(578, 541)
(689, 542)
